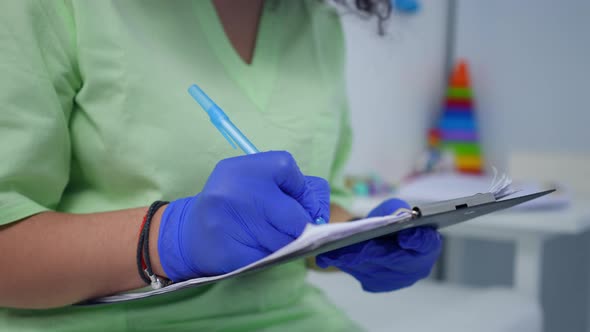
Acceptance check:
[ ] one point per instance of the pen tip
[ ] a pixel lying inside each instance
(320, 221)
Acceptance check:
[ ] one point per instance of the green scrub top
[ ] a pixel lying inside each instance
(95, 116)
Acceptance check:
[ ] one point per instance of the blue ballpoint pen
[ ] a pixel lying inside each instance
(231, 133)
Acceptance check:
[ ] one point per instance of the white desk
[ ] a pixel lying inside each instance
(527, 229)
(510, 224)
(431, 306)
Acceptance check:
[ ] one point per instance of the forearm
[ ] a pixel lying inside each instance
(54, 259)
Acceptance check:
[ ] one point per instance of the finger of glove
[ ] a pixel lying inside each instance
(379, 251)
(354, 254)
(281, 168)
(420, 239)
(324, 261)
(313, 193)
(316, 197)
(403, 265)
(287, 218)
(383, 251)
(278, 167)
(397, 261)
(376, 282)
(286, 173)
(387, 261)
(341, 256)
(388, 207)
(385, 274)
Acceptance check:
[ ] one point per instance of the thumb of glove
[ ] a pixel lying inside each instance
(388, 207)
(420, 239)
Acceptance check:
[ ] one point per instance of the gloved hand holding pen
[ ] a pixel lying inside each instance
(250, 207)
(253, 205)
(390, 262)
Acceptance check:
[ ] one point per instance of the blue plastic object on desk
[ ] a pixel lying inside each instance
(406, 6)
(222, 122)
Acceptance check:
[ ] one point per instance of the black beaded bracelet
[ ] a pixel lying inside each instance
(144, 264)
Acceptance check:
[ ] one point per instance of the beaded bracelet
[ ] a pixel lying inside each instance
(144, 264)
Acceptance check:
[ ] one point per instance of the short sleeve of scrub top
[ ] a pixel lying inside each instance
(94, 116)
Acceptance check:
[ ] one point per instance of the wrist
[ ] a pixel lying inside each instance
(154, 237)
(143, 258)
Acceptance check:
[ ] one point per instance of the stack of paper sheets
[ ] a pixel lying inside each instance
(443, 186)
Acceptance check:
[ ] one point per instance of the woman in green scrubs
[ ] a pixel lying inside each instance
(95, 123)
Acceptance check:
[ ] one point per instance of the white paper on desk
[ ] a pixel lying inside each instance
(312, 237)
(444, 186)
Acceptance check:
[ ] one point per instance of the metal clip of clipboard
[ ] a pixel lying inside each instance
(426, 210)
(446, 213)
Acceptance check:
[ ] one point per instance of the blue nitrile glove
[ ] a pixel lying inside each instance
(250, 207)
(390, 262)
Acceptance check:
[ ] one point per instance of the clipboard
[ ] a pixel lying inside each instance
(438, 215)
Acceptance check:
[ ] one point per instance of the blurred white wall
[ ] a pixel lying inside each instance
(530, 64)
(530, 68)
(395, 85)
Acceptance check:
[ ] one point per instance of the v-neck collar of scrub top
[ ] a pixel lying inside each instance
(255, 79)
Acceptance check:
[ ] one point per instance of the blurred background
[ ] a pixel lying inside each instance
(528, 67)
